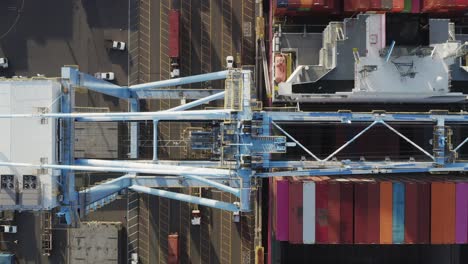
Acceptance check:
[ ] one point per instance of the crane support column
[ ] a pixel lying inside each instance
(245, 203)
(134, 129)
(441, 143)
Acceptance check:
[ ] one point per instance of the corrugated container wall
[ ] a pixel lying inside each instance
(282, 210)
(321, 200)
(386, 212)
(461, 217)
(444, 5)
(303, 7)
(380, 210)
(295, 212)
(443, 213)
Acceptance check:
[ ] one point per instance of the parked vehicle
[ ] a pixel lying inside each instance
(108, 76)
(229, 62)
(118, 45)
(196, 217)
(175, 71)
(4, 63)
(134, 258)
(8, 228)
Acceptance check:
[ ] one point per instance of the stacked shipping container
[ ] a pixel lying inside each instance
(297, 7)
(444, 5)
(381, 210)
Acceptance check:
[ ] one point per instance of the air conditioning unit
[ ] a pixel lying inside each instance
(29, 182)
(7, 181)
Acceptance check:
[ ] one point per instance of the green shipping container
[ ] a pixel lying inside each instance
(408, 6)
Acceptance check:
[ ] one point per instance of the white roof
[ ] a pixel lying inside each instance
(29, 140)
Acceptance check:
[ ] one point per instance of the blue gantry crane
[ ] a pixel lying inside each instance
(242, 136)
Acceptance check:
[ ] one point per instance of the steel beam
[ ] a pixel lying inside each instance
(198, 102)
(461, 144)
(346, 117)
(181, 182)
(134, 130)
(181, 81)
(369, 168)
(70, 78)
(101, 191)
(167, 94)
(155, 140)
(186, 198)
(134, 116)
(98, 85)
(196, 174)
(172, 169)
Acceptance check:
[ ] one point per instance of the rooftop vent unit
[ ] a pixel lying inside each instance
(29, 182)
(7, 181)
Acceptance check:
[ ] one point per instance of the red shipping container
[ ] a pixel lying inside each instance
(331, 4)
(321, 212)
(411, 213)
(173, 249)
(424, 213)
(373, 221)
(346, 213)
(360, 213)
(334, 213)
(293, 4)
(295, 212)
(312, 3)
(375, 5)
(416, 6)
(273, 186)
(440, 6)
(348, 6)
(367, 211)
(461, 4)
(282, 210)
(174, 37)
(417, 212)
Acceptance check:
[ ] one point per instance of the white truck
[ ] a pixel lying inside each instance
(108, 76)
(8, 229)
(229, 62)
(115, 45)
(3, 63)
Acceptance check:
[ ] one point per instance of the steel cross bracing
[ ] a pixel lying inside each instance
(238, 138)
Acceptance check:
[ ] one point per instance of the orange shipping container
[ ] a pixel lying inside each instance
(442, 213)
(386, 208)
(398, 5)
